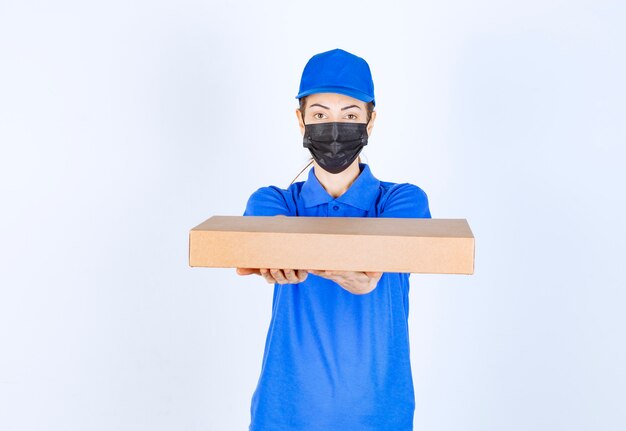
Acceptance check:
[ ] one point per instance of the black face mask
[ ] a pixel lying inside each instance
(334, 146)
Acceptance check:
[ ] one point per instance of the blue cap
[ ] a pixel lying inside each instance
(337, 71)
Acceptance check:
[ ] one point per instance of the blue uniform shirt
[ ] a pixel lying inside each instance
(333, 360)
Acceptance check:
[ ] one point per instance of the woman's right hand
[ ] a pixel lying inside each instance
(280, 276)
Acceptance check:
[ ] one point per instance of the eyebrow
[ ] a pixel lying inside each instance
(343, 109)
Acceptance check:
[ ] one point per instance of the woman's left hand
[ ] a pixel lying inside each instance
(358, 283)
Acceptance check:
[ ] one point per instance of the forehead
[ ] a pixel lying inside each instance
(333, 100)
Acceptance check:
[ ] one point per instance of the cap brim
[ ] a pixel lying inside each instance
(341, 90)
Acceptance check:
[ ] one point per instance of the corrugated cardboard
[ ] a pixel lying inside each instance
(435, 246)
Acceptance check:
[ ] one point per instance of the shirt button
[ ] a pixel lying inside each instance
(336, 207)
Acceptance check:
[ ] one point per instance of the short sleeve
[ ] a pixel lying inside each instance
(267, 201)
(406, 201)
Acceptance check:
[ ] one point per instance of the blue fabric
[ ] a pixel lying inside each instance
(334, 360)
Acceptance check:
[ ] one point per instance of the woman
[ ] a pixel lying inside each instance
(337, 349)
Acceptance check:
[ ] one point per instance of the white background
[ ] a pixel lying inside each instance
(124, 124)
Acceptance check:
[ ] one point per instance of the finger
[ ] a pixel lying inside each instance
(267, 276)
(352, 278)
(341, 275)
(335, 276)
(279, 276)
(291, 276)
(374, 274)
(302, 274)
(248, 271)
(353, 275)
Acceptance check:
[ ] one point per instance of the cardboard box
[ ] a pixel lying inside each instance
(435, 246)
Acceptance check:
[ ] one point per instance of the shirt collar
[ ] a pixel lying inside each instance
(361, 193)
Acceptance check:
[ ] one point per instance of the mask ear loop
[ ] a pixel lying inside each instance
(308, 164)
(307, 139)
(364, 144)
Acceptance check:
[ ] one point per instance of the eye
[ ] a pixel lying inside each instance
(318, 116)
(352, 116)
